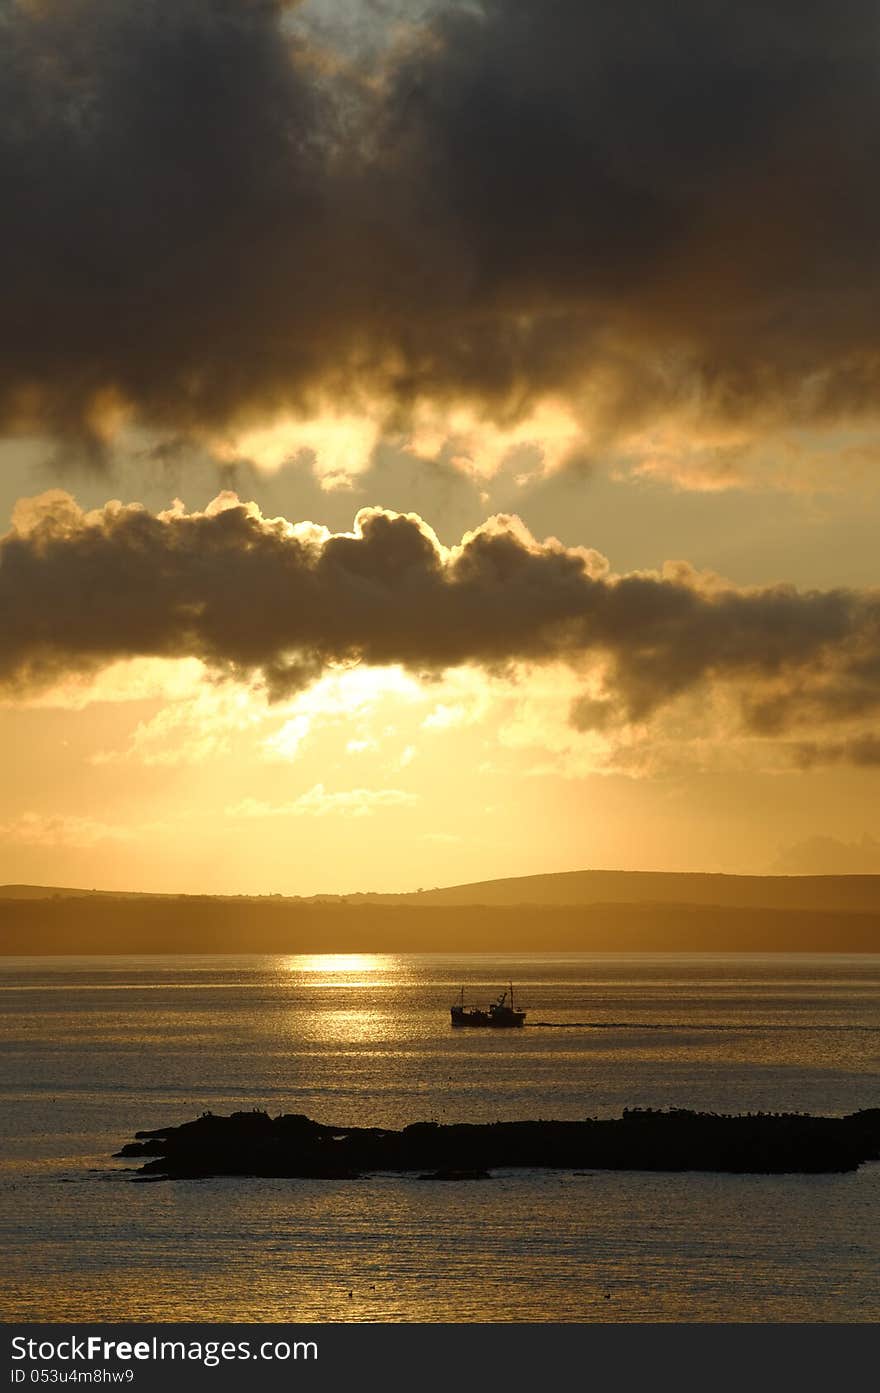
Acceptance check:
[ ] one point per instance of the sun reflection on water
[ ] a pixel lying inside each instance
(351, 1012)
(342, 969)
(352, 1027)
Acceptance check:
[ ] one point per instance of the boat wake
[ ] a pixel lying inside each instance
(689, 1025)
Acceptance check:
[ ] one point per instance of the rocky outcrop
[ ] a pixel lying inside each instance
(253, 1143)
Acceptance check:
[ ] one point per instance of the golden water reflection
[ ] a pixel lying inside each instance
(336, 966)
(345, 1014)
(352, 1026)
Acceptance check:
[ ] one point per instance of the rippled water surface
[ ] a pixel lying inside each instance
(95, 1048)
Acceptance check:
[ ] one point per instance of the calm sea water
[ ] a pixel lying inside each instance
(95, 1048)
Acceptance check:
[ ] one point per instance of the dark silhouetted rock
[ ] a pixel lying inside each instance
(253, 1143)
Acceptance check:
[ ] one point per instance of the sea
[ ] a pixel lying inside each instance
(94, 1049)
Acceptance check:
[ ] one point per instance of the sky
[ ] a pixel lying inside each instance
(438, 441)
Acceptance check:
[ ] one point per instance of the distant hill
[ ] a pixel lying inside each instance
(847, 893)
(37, 892)
(599, 911)
(152, 924)
(859, 894)
(64, 892)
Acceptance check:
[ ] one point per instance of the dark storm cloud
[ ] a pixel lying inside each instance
(633, 205)
(250, 595)
(165, 178)
(679, 198)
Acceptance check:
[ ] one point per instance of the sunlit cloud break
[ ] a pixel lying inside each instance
(266, 600)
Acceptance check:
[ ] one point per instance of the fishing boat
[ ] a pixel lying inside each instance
(502, 1013)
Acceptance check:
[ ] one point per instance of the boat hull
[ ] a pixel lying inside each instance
(466, 1017)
